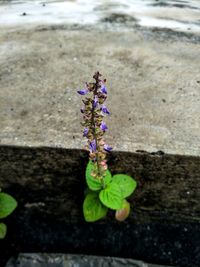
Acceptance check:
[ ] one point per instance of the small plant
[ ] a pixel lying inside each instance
(104, 190)
(7, 206)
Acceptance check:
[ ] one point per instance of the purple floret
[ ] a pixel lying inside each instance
(82, 110)
(85, 132)
(93, 146)
(83, 91)
(103, 126)
(105, 110)
(103, 89)
(107, 148)
(95, 102)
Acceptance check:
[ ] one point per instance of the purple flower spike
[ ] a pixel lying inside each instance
(83, 91)
(107, 148)
(105, 110)
(85, 132)
(93, 146)
(95, 102)
(103, 126)
(104, 89)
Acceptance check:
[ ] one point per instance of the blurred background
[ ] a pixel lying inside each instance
(180, 15)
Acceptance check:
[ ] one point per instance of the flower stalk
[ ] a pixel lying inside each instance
(105, 191)
(94, 111)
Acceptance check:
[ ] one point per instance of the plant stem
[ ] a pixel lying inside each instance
(99, 171)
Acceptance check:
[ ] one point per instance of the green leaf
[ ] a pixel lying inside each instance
(7, 205)
(123, 213)
(3, 230)
(111, 196)
(94, 183)
(93, 209)
(126, 184)
(107, 178)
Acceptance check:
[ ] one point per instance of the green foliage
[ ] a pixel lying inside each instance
(7, 205)
(94, 183)
(111, 196)
(3, 230)
(108, 192)
(126, 184)
(93, 209)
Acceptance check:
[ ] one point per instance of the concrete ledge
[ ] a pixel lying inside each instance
(153, 88)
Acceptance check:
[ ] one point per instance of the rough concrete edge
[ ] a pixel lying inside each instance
(136, 151)
(73, 259)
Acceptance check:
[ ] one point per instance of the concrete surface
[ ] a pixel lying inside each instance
(153, 87)
(63, 260)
